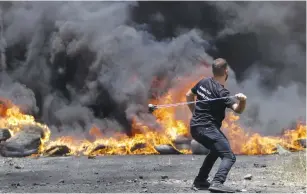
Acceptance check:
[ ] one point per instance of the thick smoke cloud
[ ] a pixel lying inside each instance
(74, 64)
(280, 31)
(86, 65)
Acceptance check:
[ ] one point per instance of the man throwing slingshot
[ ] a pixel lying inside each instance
(206, 123)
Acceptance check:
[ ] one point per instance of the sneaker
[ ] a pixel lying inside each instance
(200, 184)
(216, 187)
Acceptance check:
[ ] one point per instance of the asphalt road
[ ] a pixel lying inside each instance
(168, 173)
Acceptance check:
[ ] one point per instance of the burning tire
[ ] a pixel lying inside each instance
(198, 149)
(61, 150)
(182, 143)
(166, 149)
(24, 143)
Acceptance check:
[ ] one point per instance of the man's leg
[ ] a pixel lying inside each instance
(228, 159)
(223, 149)
(208, 163)
(198, 133)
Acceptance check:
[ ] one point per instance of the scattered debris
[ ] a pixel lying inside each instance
(5, 134)
(164, 177)
(18, 167)
(165, 180)
(15, 184)
(198, 149)
(248, 177)
(167, 149)
(39, 184)
(257, 165)
(281, 151)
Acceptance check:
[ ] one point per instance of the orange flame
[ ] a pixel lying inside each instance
(252, 144)
(174, 123)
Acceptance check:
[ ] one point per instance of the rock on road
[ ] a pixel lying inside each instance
(167, 173)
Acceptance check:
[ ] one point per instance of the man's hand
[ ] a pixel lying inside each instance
(239, 108)
(241, 97)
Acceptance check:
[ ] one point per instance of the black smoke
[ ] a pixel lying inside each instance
(242, 32)
(74, 64)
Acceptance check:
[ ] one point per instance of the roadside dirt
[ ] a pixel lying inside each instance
(158, 174)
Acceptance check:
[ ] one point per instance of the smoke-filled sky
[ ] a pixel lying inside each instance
(72, 64)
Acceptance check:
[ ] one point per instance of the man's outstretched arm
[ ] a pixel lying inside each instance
(190, 96)
(239, 107)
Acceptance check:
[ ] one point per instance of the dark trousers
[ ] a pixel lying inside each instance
(214, 140)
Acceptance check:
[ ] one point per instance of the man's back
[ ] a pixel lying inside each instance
(210, 113)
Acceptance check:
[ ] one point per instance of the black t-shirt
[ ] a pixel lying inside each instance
(210, 113)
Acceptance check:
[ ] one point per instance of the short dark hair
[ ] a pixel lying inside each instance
(219, 66)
